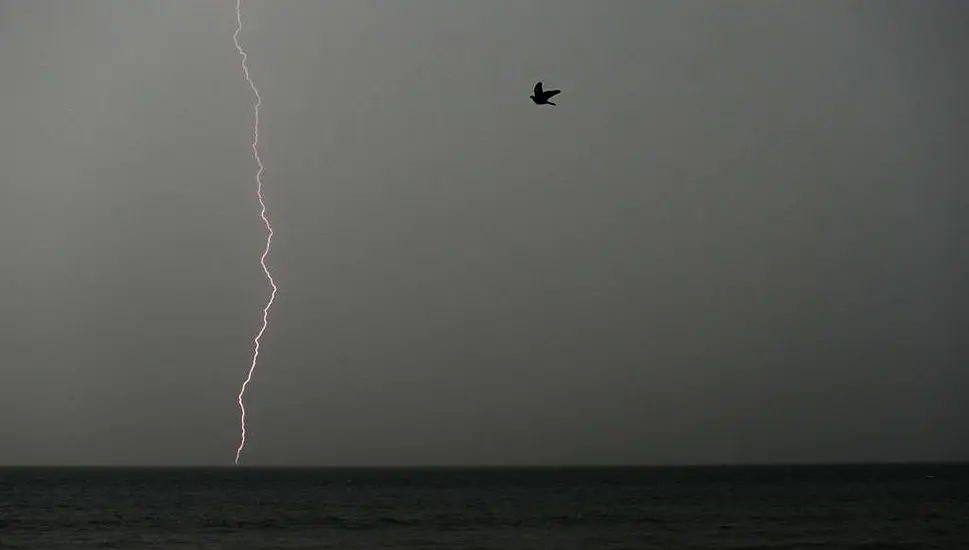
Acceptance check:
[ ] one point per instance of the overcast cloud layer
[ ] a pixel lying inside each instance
(740, 237)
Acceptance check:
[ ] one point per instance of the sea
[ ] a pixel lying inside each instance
(901, 506)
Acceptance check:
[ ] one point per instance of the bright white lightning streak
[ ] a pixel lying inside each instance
(265, 219)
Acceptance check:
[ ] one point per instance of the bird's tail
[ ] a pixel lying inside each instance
(550, 103)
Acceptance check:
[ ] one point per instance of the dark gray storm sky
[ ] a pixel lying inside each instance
(740, 237)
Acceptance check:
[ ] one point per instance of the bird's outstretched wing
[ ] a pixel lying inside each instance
(538, 88)
(550, 93)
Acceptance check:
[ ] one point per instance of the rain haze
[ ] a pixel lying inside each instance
(740, 236)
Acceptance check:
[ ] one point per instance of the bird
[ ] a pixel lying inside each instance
(541, 97)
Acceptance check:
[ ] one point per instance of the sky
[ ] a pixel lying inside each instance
(740, 237)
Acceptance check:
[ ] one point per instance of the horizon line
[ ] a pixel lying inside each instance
(509, 466)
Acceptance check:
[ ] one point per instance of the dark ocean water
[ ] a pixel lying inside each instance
(836, 507)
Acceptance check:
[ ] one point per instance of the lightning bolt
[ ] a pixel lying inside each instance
(269, 229)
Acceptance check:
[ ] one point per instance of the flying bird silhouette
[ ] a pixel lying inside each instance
(541, 97)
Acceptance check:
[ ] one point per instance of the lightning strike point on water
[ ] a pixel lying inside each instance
(269, 229)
